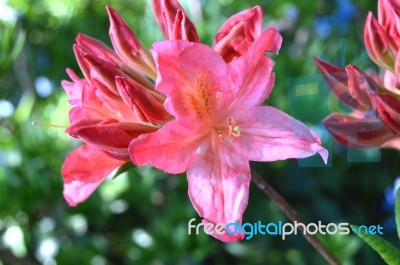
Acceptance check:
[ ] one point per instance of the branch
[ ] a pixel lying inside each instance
(293, 216)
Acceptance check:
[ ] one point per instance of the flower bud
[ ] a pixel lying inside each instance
(377, 43)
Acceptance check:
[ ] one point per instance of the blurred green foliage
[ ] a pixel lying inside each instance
(141, 217)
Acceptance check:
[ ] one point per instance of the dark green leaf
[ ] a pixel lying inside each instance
(389, 253)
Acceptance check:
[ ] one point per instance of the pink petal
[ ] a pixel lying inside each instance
(78, 191)
(252, 74)
(254, 91)
(358, 132)
(190, 74)
(98, 48)
(128, 46)
(387, 107)
(183, 28)
(393, 143)
(83, 170)
(390, 82)
(268, 134)
(389, 18)
(165, 13)
(74, 89)
(139, 97)
(85, 113)
(238, 33)
(337, 80)
(377, 43)
(169, 149)
(79, 51)
(104, 72)
(359, 85)
(109, 135)
(219, 187)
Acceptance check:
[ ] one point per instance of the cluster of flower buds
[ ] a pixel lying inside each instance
(375, 100)
(113, 104)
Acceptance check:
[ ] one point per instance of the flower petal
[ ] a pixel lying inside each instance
(337, 80)
(238, 33)
(128, 46)
(183, 28)
(169, 149)
(252, 74)
(139, 97)
(109, 135)
(390, 82)
(359, 85)
(268, 134)
(165, 14)
(254, 91)
(358, 132)
(219, 187)
(387, 107)
(389, 18)
(393, 143)
(74, 89)
(97, 48)
(83, 170)
(190, 74)
(377, 43)
(78, 191)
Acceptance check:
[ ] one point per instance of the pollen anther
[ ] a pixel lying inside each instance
(234, 129)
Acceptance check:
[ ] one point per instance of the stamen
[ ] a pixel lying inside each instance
(220, 135)
(48, 125)
(233, 128)
(236, 131)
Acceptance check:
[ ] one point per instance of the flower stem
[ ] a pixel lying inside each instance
(293, 216)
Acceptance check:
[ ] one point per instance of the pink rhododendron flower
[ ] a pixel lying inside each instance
(204, 116)
(220, 124)
(375, 121)
(115, 102)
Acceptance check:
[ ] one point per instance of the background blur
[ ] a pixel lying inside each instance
(141, 217)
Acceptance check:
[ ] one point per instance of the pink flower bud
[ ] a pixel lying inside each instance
(387, 108)
(389, 19)
(358, 132)
(165, 13)
(109, 135)
(236, 35)
(183, 28)
(173, 22)
(98, 48)
(136, 95)
(79, 51)
(377, 43)
(350, 87)
(128, 46)
(103, 71)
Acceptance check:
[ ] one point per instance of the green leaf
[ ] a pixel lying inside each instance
(125, 167)
(389, 253)
(397, 211)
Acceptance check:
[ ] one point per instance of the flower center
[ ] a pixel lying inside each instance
(231, 130)
(199, 98)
